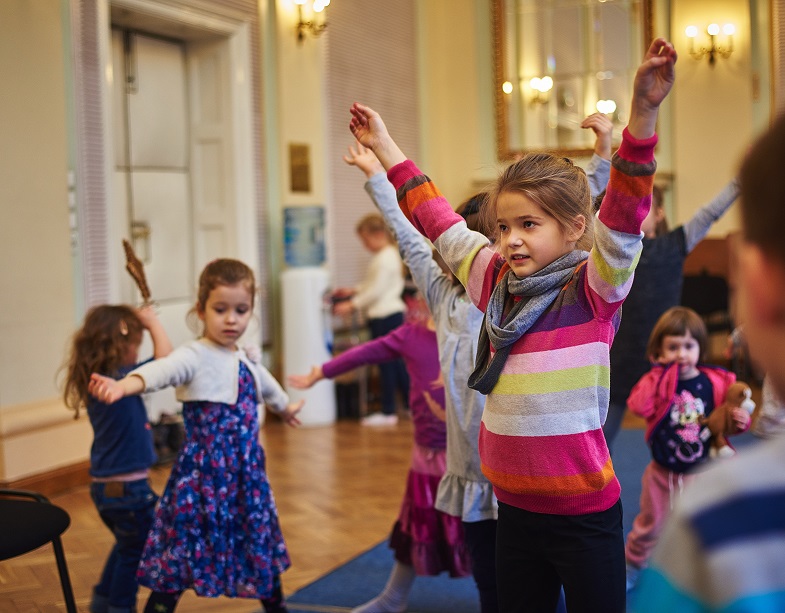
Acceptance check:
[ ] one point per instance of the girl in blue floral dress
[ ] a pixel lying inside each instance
(216, 529)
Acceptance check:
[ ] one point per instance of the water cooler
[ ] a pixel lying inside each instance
(307, 323)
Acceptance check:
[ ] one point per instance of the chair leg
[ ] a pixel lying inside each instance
(65, 580)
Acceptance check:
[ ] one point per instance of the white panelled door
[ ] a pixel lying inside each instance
(172, 183)
(211, 113)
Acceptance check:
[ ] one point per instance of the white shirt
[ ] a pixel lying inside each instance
(380, 292)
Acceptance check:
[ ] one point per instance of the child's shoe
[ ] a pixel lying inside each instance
(380, 419)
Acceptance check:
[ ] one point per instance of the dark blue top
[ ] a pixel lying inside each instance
(656, 288)
(122, 437)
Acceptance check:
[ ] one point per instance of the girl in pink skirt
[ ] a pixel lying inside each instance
(425, 540)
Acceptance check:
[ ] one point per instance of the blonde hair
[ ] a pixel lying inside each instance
(557, 185)
(373, 223)
(101, 346)
(677, 321)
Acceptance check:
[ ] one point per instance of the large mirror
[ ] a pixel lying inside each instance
(558, 61)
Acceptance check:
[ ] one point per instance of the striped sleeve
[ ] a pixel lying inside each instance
(723, 549)
(466, 252)
(617, 229)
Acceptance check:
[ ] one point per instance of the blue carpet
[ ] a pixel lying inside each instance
(363, 577)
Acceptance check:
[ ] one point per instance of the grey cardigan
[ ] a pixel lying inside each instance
(202, 370)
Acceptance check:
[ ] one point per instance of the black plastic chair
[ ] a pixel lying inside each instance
(28, 524)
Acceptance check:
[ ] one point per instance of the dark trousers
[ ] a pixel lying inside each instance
(480, 538)
(537, 553)
(393, 374)
(127, 509)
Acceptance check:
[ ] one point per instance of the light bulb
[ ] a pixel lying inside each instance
(535, 83)
(713, 29)
(546, 83)
(691, 31)
(507, 87)
(729, 29)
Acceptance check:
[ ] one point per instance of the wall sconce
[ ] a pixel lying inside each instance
(606, 107)
(541, 87)
(314, 26)
(714, 49)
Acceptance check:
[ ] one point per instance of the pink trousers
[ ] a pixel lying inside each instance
(659, 492)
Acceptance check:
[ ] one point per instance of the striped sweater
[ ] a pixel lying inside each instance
(541, 441)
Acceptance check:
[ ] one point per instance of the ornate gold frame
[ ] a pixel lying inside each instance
(500, 102)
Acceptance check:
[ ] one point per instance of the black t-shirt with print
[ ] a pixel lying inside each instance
(678, 442)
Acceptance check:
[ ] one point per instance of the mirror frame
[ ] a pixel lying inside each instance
(500, 103)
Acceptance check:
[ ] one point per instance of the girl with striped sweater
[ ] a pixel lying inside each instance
(551, 311)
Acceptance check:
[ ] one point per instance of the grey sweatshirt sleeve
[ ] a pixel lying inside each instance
(598, 172)
(697, 227)
(415, 251)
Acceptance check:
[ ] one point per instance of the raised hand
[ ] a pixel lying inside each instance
(368, 128)
(302, 382)
(653, 82)
(364, 159)
(603, 131)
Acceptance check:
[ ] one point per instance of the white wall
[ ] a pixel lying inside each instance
(36, 301)
(712, 109)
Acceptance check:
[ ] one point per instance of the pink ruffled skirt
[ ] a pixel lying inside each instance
(423, 537)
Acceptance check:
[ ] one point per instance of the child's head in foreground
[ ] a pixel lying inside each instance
(680, 337)
(541, 209)
(374, 233)
(108, 340)
(761, 254)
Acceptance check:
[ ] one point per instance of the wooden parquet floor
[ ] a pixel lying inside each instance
(338, 490)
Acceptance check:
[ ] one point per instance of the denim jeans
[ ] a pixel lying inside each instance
(127, 509)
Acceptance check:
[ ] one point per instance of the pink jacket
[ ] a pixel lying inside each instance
(651, 396)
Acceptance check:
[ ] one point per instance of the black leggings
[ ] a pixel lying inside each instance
(537, 553)
(480, 537)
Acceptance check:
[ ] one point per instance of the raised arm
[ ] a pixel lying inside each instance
(697, 227)
(368, 128)
(653, 82)
(162, 346)
(598, 169)
(415, 251)
(617, 243)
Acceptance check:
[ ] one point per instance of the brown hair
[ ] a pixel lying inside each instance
(677, 321)
(554, 183)
(763, 192)
(223, 271)
(373, 223)
(99, 346)
(473, 211)
(658, 202)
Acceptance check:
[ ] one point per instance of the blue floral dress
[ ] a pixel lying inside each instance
(216, 529)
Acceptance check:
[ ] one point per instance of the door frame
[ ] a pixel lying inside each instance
(233, 33)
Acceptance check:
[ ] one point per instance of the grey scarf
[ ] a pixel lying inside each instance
(538, 291)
